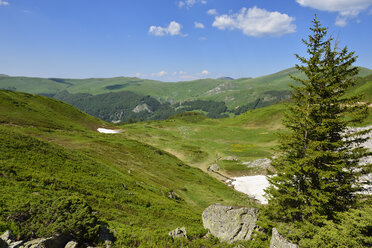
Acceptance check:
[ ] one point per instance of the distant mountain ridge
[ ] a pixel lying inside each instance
(238, 95)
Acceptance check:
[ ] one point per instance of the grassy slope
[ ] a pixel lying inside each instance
(42, 162)
(235, 93)
(249, 136)
(25, 109)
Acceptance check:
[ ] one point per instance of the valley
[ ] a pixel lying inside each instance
(142, 179)
(125, 99)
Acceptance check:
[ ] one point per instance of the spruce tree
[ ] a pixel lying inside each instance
(317, 166)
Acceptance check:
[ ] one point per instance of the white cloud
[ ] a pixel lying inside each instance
(347, 9)
(256, 22)
(341, 21)
(199, 25)
(160, 74)
(212, 12)
(205, 73)
(179, 73)
(174, 28)
(190, 3)
(4, 3)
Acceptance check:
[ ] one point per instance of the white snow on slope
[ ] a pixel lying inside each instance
(253, 186)
(104, 130)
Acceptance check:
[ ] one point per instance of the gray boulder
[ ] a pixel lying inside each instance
(230, 223)
(8, 237)
(278, 241)
(178, 233)
(213, 168)
(71, 244)
(56, 241)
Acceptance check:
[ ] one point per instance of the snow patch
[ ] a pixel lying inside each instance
(253, 186)
(104, 130)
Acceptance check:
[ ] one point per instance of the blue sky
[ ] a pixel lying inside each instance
(171, 40)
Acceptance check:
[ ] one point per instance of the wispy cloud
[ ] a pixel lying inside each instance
(160, 74)
(256, 22)
(204, 73)
(212, 12)
(199, 25)
(347, 9)
(190, 3)
(3, 3)
(174, 28)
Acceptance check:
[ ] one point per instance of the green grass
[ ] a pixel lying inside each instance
(44, 157)
(201, 141)
(25, 109)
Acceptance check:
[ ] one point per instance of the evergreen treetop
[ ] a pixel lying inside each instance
(318, 166)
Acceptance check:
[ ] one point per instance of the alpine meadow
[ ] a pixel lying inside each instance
(214, 136)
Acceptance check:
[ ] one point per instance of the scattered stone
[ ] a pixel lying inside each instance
(17, 244)
(139, 185)
(263, 163)
(173, 195)
(230, 223)
(71, 244)
(278, 241)
(213, 168)
(130, 193)
(124, 186)
(56, 241)
(231, 158)
(108, 244)
(178, 233)
(8, 237)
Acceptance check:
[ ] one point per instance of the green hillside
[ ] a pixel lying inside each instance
(201, 141)
(50, 163)
(23, 109)
(269, 89)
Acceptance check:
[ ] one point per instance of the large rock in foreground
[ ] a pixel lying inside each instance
(278, 241)
(230, 223)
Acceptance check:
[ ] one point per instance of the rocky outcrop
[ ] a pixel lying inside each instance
(213, 168)
(56, 241)
(278, 241)
(8, 237)
(142, 107)
(262, 163)
(178, 233)
(7, 240)
(231, 158)
(230, 223)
